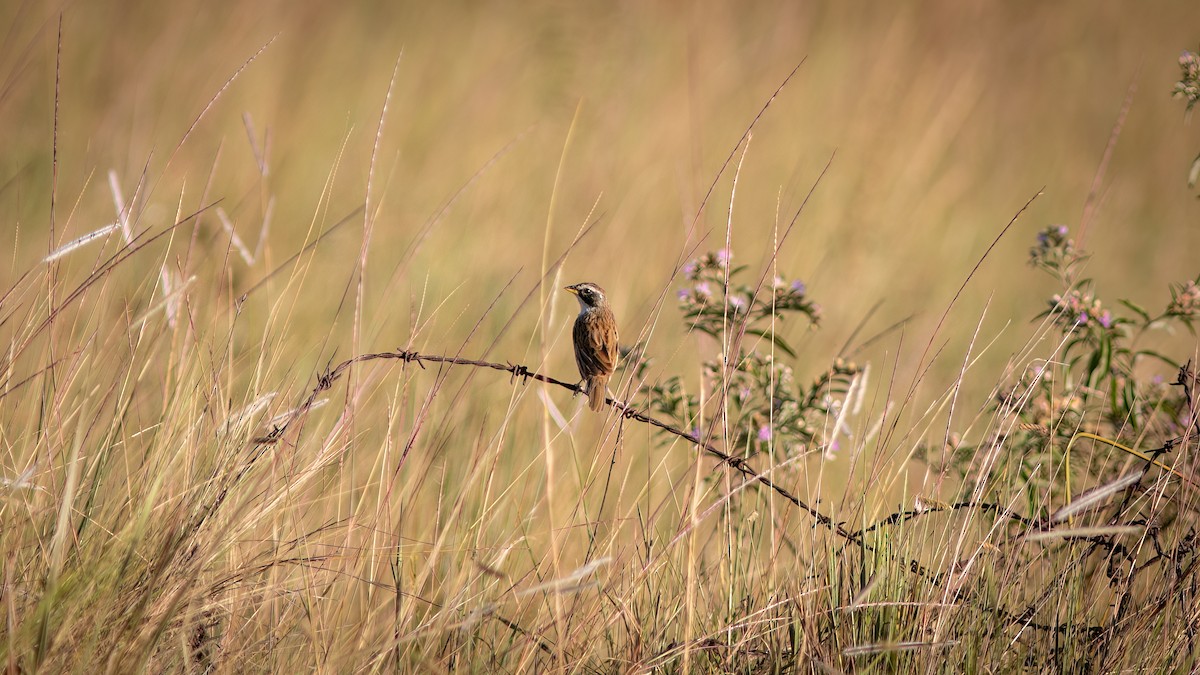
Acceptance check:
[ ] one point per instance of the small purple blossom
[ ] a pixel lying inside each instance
(683, 294)
(1054, 250)
(703, 290)
(1105, 319)
(764, 434)
(723, 256)
(737, 302)
(689, 270)
(1083, 319)
(798, 287)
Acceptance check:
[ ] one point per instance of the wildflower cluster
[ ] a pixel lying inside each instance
(710, 266)
(1102, 381)
(1055, 252)
(1185, 302)
(1041, 405)
(712, 299)
(1077, 309)
(1098, 382)
(764, 406)
(1188, 86)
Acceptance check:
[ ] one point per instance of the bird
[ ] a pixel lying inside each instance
(595, 337)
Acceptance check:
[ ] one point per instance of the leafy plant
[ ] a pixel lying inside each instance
(765, 405)
(1097, 384)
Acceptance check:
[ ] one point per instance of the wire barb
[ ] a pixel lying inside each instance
(519, 371)
(409, 356)
(325, 380)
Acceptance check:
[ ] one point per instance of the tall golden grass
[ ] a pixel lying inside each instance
(209, 205)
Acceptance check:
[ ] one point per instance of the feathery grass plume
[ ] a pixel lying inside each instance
(1086, 532)
(234, 239)
(22, 481)
(1096, 496)
(80, 242)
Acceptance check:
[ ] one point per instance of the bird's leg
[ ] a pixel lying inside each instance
(580, 388)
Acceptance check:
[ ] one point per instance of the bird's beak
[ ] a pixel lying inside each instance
(571, 289)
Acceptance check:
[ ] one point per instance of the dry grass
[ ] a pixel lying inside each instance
(183, 490)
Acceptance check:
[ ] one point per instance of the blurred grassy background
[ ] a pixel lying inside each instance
(946, 117)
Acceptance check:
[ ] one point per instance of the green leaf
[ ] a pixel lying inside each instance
(1103, 360)
(1161, 357)
(1194, 173)
(1137, 309)
(779, 342)
(1129, 399)
(1096, 366)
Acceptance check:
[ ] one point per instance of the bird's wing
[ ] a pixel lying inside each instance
(604, 341)
(596, 344)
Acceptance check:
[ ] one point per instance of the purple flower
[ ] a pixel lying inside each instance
(683, 294)
(764, 434)
(703, 290)
(1062, 230)
(723, 256)
(689, 270)
(798, 287)
(1105, 319)
(1083, 319)
(737, 302)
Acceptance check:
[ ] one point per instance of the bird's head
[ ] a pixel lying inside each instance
(589, 295)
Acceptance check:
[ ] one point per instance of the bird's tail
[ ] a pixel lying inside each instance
(597, 387)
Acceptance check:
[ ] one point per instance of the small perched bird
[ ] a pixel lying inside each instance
(595, 341)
